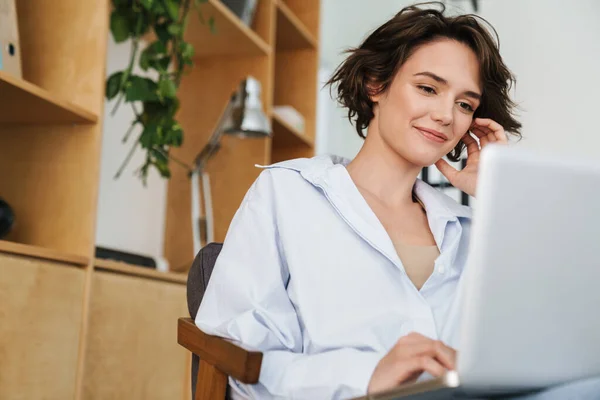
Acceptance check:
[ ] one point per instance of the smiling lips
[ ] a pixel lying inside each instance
(433, 135)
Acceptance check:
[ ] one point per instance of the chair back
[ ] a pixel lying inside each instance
(198, 277)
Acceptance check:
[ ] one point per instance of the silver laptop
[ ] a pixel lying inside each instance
(531, 288)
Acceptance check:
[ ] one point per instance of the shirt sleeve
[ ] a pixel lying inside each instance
(246, 301)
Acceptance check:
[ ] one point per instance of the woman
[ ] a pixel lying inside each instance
(344, 273)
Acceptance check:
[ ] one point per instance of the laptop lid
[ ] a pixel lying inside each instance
(531, 315)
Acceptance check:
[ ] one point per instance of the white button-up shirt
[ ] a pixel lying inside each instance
(309, 276)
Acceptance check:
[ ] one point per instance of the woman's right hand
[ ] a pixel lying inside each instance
(412, 355)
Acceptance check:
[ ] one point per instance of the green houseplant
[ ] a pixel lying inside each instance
(153, 99)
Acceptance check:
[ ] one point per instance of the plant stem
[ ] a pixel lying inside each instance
(134, 50)
(129, 131)
(175, 49)
(128, 158)
(182, 163)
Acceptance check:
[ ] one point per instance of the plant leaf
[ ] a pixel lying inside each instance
(147, 4)
(141, 89)
(158, 47)
(142, 23)
(113, 85)
(175, 29)
(186, 50)
(162, 32)
(150, 54)
(145, 58)
(163, 168)
(175, 135)
(160, 154)
(158, 8)
(148, 136)
(161, 64)
(119, 26)
(167, 88)
(172, 8)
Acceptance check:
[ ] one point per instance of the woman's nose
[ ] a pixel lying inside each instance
(443, 113)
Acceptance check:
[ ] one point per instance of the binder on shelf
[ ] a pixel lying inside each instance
(10, 49)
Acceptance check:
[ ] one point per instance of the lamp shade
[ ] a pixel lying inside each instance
(247, 118)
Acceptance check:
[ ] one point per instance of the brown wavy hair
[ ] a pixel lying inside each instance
(380, 56)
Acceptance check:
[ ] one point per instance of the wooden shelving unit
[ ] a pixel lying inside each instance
(42, 253)
(232, 37)
(285, 135)
(135, 270)
(91, 316)
(287, 72)
(42, 107)
(291, 32)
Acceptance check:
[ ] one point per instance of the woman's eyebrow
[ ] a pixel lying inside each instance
(439, 79)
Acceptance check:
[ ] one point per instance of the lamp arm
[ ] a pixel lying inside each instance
(213, 144)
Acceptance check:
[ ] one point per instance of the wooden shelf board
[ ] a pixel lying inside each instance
(285, 135)
(231, 37)
(291, 32)
(135, 270)
(42, 253)
(26, 103)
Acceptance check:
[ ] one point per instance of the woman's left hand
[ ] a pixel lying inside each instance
(488, 131)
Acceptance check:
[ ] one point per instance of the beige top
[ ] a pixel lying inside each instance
(418, 261)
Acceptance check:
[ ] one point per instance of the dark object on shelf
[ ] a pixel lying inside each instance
(121, 256)
(244, 9)
(7, 218)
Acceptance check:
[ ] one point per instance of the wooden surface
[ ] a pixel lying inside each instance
(40, 317)
(41, 253)
(291, 32)
(232, 37)
(25, 103)
(50, 173)
(212, 383)
(285, 135)
(308, 12)
(132, 350)
(144, 272)
(232, 169)
(296, 85)
(233, 360)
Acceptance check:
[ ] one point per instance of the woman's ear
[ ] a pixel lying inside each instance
(373, 90)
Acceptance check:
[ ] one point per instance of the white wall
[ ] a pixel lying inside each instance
(553, 47)
(131, 217)
(344, 24)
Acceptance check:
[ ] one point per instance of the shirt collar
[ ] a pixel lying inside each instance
(327, 173)
(436, 203)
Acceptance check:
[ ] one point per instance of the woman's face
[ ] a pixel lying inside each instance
(429, 105)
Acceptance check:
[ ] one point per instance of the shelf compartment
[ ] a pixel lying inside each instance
(231, 38)
(291, 32)
(135, 270)
(26, 103)
(41, 253)
(285, 135)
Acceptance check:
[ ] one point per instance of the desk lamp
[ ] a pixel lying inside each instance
(243, 117)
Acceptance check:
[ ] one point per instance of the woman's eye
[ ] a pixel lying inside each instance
(426, 89)
(465, 106)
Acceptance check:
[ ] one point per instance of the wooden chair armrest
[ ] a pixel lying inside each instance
(227, 357)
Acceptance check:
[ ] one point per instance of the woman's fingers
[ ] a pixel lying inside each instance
(472, 146)
(445, 355)
(427, 364)
(494, 129)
